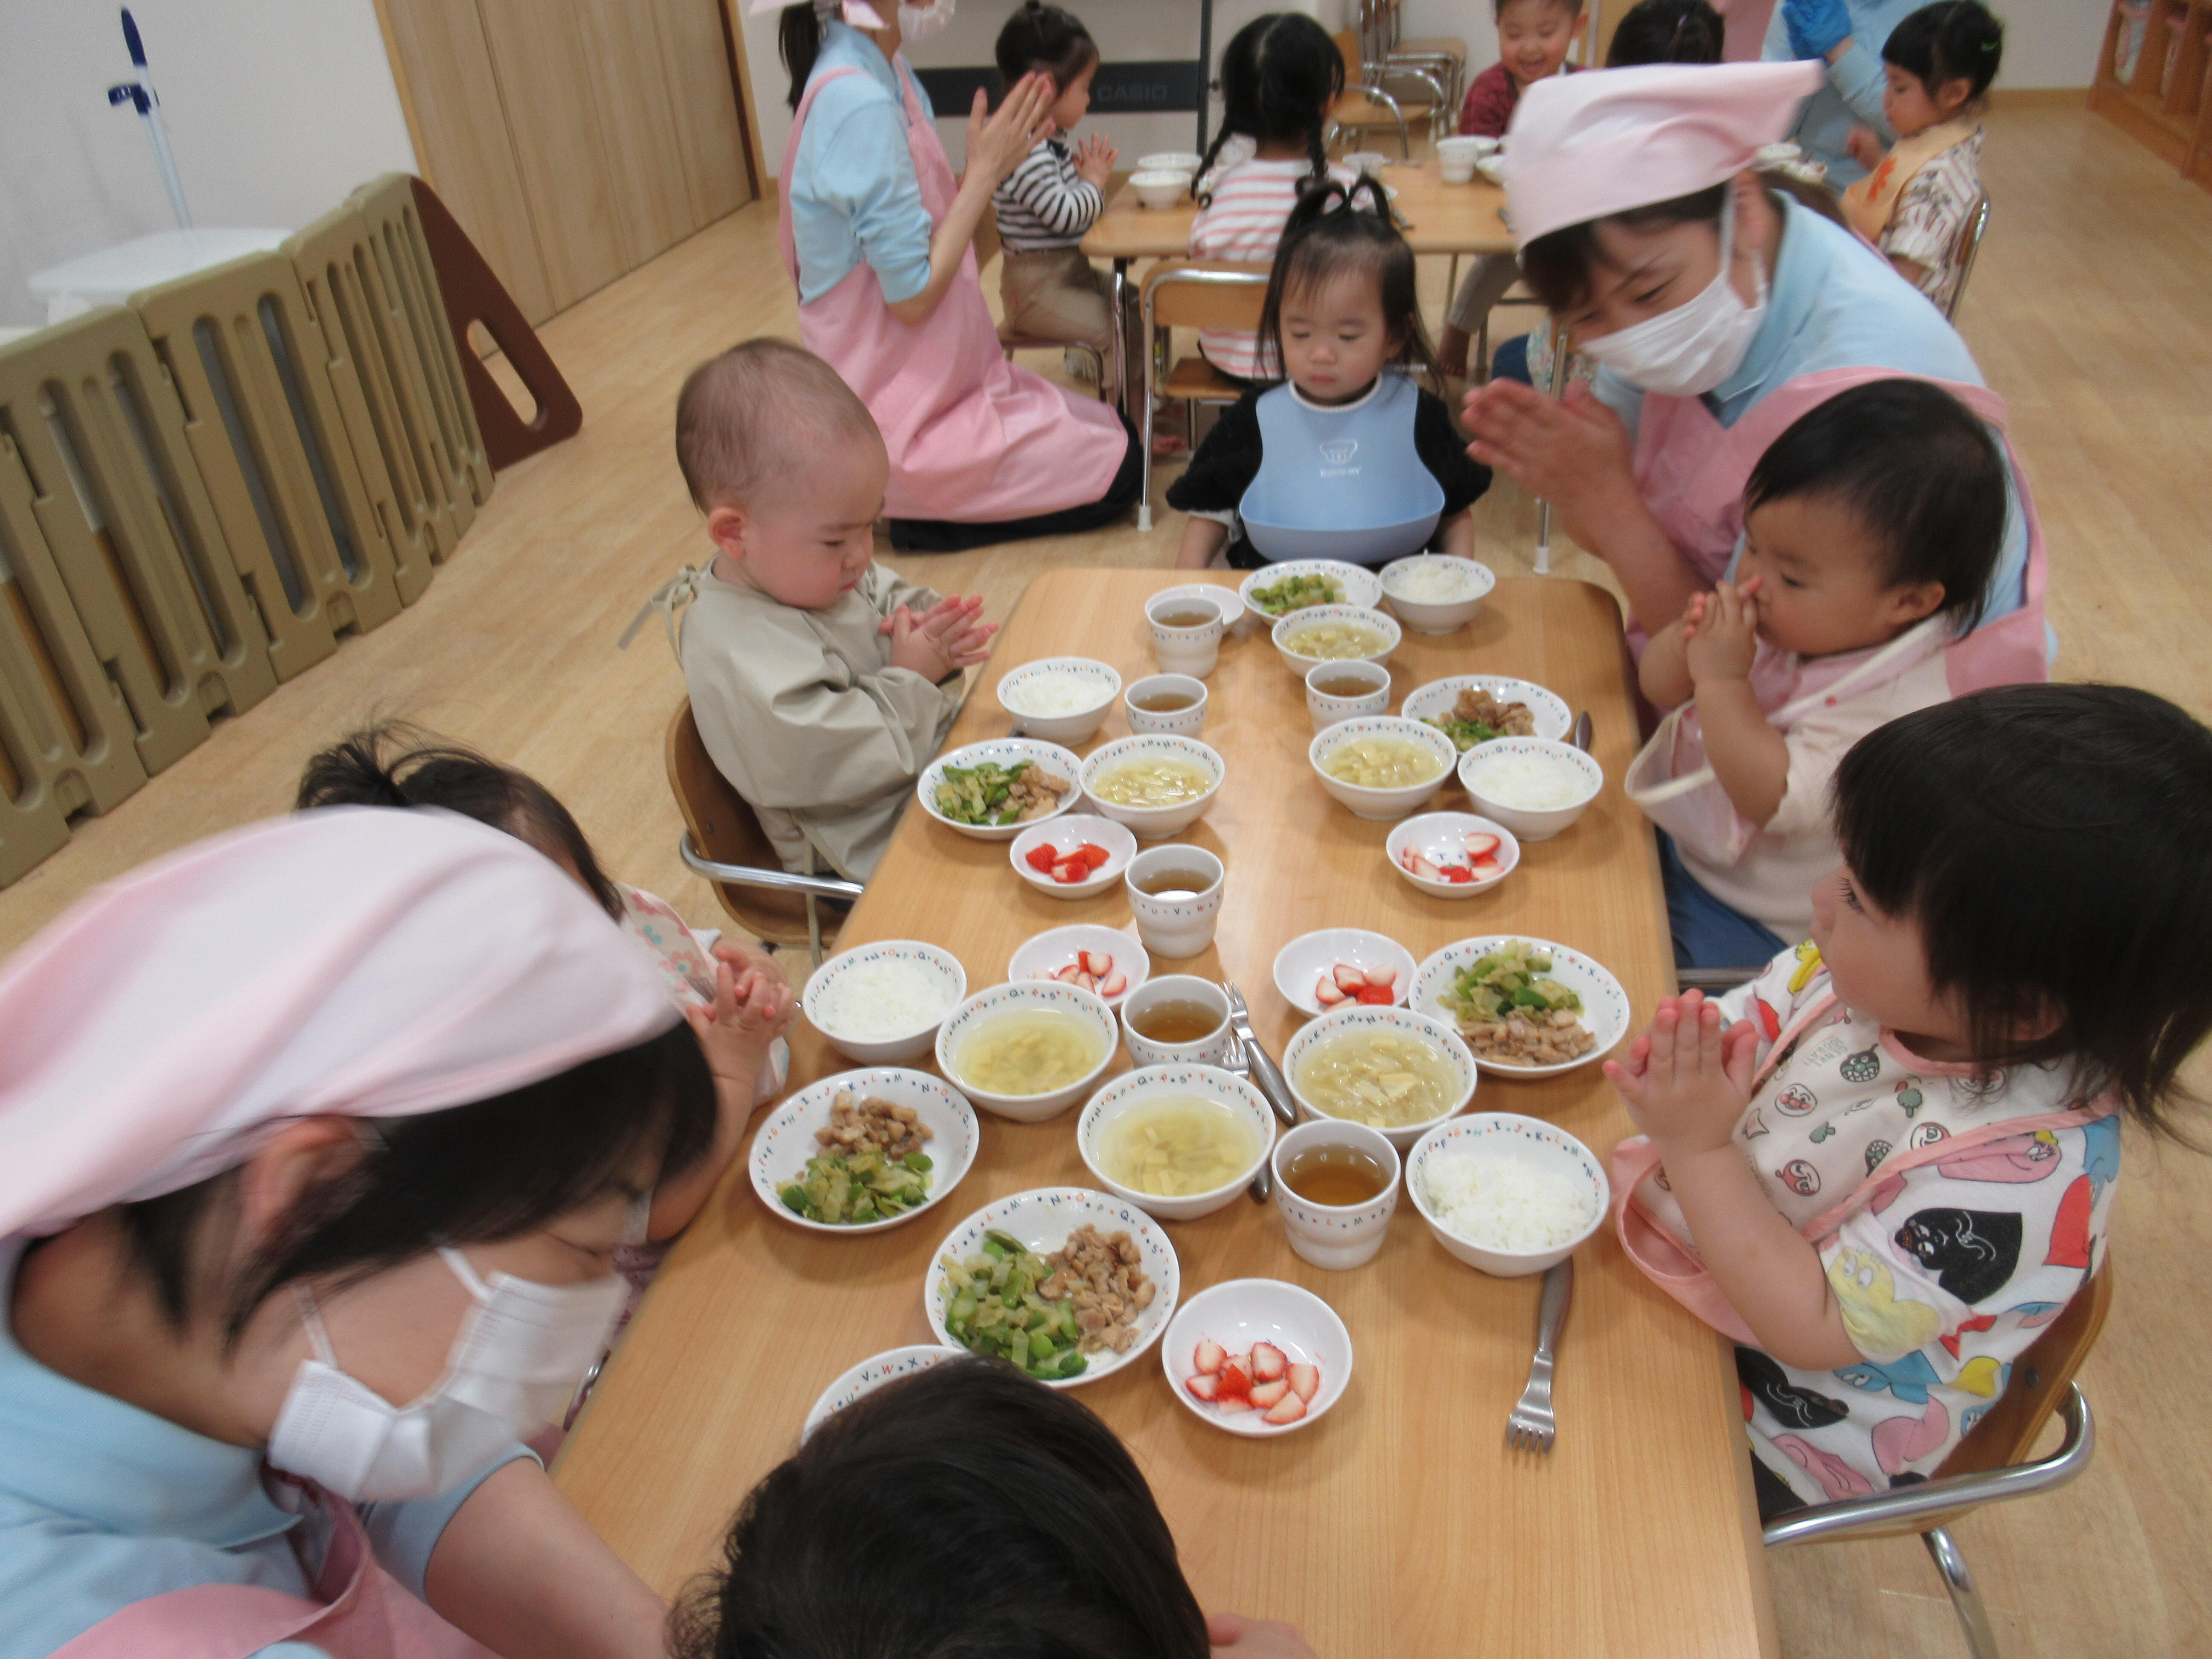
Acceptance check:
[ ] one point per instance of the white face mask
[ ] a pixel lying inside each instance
(918, 23)
(1688, 351)
(515, 1366)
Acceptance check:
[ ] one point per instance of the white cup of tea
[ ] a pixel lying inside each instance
(1340, 1153)
(1174, 893)
(1342, 691)
(1186, 633)
(1177, 1020)
(1166, 702)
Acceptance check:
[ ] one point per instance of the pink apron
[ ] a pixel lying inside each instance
(363, 1613)
(972, 438)
(1676, 1271)
(1690, 472)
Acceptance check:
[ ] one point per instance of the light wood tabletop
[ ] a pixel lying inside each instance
(1401, 1523)
(1442, 218)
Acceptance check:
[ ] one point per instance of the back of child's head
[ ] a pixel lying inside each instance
(1280, 74)
(764, 410)
(1916, 468)
(1046, 39)
(1950, 41)
(1326, 241)
(1666, 32)
(965, 1512)
(392, 763)
(2051, 842)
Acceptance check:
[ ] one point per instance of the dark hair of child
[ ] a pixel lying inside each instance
(1280, 74)
(392, 763)
(1046, 39)
(1919, 472)
(1666, 32)
(1325, 241)
(964, 1511)
(1950, 41)
(1572, 8)
(1958, 816)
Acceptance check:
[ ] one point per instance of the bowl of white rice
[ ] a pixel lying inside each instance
(1435, 594)
(1060, 699)
(881, 1004)
(1534, 786)
(1510, 1194)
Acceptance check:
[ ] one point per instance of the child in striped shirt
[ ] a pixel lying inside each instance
(1048, 290)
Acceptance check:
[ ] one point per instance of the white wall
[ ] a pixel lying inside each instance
(275, 110)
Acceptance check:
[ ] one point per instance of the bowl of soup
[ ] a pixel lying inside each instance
(1156, 784)
(1028, 1051)
(1399, 1072)
(1382, 766)
(1177, 1141)
(1307, 638)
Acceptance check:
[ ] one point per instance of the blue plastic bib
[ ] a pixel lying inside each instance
(1344, 483)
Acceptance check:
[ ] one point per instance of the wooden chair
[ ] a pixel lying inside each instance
(1987, 1467)
(1366, 104)
(1180, 294)
(988, 248)
(723, 840)
(1969, 250)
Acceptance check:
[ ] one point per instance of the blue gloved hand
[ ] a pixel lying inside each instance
(1816, 28)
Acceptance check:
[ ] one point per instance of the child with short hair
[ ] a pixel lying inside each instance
(1046, 289)
(1349, 444)
(1888, 1162)
(1533, 38)
(1914, 203)
(823, 684)
(1872, 528)
(1281, 75)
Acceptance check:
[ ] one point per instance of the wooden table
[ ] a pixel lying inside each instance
(1440, 218)
(1401, 1524)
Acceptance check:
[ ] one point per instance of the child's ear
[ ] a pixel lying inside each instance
(726, 527)
(1915, 601)
(1953, 95)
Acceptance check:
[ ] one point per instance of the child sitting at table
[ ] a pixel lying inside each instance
(1872, 526)
(1349, 458)
(1914, 203)
(963, 1511)
(1886, 1164)
(1281, 77)
(823, 684)
(1046, 289)
(1533, 40)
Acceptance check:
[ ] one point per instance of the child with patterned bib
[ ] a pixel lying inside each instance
(1886, 1162)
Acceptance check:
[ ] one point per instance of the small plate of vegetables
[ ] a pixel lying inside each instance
(994, 791)
(1502, 992)
(863, 1151)
(1291, 584)
(1002, 1283)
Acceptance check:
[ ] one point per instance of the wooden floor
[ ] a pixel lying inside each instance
(2091, 313)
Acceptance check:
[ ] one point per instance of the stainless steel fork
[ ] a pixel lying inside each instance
(1531, 1427)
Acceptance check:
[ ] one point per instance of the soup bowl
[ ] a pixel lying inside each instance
(1381, 804)
(1032, 996)
(1362, 1019)
(1380, 624)
(1154, 823)
(1150, 1084)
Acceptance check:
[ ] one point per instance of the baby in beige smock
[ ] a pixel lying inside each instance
(823, 684)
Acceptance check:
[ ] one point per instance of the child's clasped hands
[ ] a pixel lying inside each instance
(1720, 631)
(1687, 1081)
(951, 635)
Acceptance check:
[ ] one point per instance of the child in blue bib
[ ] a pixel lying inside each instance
(1344, 458)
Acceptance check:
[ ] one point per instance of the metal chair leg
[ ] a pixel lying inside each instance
(1145, 464)
(1966, 1600)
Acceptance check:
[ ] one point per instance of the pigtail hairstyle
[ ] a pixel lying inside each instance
(1046, 39)
(1325, 239)
(1279, 74)
(1666, 32)
(799, 42)
(1950, 41)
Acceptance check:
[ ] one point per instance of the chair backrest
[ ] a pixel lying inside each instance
(2006, 1433)
(725, 827)
(1968, 250)
(1180, 294)
(1347, 47)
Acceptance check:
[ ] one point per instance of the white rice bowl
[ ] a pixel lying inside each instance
(1509, 1194)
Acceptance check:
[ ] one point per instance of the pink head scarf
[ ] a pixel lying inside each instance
(858, 13)
(1583, 146)
(352, 961)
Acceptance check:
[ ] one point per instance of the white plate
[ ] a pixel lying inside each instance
(779, 1152)
(1436, 700)
(1239, 1312)
(871, 1374)
(1441, 838)
(1060, 763)
(1042, 955)
(1225, 598)
(1042, 1219)
(1605, 1004)
(1067, 832)
(1361, 587)
(1300, 964)
(934, 959)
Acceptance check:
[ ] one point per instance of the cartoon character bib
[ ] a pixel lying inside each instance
(1341, 482)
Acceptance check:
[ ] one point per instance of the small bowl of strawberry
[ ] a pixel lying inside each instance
(1453, 855)
(1257, 1357)
(1333, 966)
(1075, 855)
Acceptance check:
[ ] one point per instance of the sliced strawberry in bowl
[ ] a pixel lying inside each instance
(1481, 844)
(1210, 1356)
(1265, 1395)
(1304, 1380)
(1269, 1363)
(1041, 857)
(1287, 1411)
(1326, 993)
(1376, 996)
(1093, 854)
(1348, 978)
(1204, 1386)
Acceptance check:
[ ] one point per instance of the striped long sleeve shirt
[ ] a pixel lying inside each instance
(1042, 203)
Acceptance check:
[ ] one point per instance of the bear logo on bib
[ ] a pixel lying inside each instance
(1338, 451)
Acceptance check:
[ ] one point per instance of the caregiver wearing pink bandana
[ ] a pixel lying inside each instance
(1719, 312)
(316, 1141)
(878, 235)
